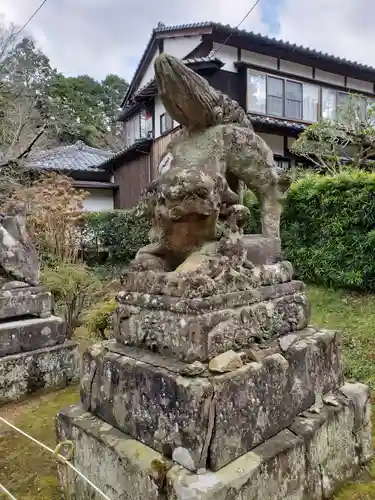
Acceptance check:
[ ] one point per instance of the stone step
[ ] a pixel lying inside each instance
(31, 334)
(210, 419)
(26, 301)
(51, 367)
(200, 329)
(307, 461)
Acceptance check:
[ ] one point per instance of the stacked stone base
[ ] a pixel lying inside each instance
(34, 351)
(308, 460)
(221, 395)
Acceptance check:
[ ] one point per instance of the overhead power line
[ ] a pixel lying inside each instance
(15, 35)
(214, 52)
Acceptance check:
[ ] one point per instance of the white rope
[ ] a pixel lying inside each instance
(61, 458)
(4, 490)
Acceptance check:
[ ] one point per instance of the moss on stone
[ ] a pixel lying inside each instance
(30, 473)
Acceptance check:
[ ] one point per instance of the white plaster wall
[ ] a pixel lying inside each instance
(360, 85)
(324, 76)
(258, 59)
(159, 110)
(228, 55)
(149, 73)
(181, 46)
(296, 69)
(99, 200)
(176, 46)
(275, 142)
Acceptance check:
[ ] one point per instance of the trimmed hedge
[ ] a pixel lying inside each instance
(328, 229)
(120, 232)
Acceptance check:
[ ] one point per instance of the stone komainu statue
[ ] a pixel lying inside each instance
(19, 261)
(191, 200)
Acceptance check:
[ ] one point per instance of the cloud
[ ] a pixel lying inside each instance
(100, 37)
(341, 27)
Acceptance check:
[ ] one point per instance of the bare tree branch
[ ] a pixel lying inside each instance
(27, 150)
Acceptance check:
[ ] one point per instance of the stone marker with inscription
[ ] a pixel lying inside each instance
(34, 351)
(215, 386)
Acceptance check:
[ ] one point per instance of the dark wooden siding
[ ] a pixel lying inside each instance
(227, 82)
(158, 149)
(134, 176)
(132, 179)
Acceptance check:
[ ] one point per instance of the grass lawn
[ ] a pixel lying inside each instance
(30, 473)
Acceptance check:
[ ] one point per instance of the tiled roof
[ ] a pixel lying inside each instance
(76, 157)
(142, 145)
(266, 39)
(257, 37)
(191, 61)
(150, 88)
(277, 122)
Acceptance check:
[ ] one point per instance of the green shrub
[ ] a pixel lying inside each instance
(74, 287)
(328, 229)
(253, 225)
(98, 320)
(121, 232)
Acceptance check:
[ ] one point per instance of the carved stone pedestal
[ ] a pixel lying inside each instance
(220, 395)
(34, 351)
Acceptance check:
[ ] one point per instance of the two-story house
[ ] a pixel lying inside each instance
(283, 87)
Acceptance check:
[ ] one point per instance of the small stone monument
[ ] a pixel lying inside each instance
(215, 387)
(34, 352)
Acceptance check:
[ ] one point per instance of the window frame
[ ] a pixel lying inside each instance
(264, 75)
(133, 124)
(286, 100)
(164, 116)
(368, 99)
(283, 82)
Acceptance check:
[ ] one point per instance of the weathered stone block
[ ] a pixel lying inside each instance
(275, 470)
(336, 442)
(31, 334)
(151, 403)
(201, 329)
(119, 465)
(261, 250)
(125, 469)
(51, 367)
(28, 301)
(215, 418)
(359, 397)
(308, 461)
(258, 400)
(167, 286)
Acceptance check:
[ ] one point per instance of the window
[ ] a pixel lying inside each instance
(370, 111)
(350, 107)
(166, 123)
(293, 100)
(275, 96)
(142, 125)
(283, 163)
(311, 98)
(329, 102)
(148, 123)
(134, 128)
(281, 97)
(256, 92)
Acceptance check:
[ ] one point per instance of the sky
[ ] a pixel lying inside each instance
(98, 37)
